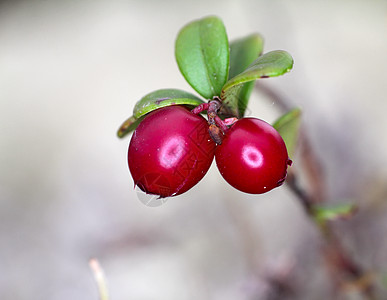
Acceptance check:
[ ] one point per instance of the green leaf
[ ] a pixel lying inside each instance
(271, 64)
(244, 96)
(288, 126)
(153, 101)
(128, 126)
(335, 212)
(164, 97)
(242, 53)
(202, 54)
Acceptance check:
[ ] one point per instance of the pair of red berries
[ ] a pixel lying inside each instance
(171, 151)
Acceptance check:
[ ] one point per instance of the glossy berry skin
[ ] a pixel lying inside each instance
(252, 157)
(170, 151)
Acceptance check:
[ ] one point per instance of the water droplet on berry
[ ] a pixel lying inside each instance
(149, 199)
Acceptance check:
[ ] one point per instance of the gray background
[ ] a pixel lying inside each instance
(71, 72)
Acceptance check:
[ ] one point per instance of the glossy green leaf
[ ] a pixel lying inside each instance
(153, 101)
(202, 54)
(334, 212)
(164, 97)
(271, 64)
(242, 53)
(288, 126)
(244, 96)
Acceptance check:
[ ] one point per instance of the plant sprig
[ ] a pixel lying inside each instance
(214, 68)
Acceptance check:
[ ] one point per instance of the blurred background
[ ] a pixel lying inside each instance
(70, 74)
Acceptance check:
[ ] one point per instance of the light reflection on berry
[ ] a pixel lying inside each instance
(252, 156)
(171, 152)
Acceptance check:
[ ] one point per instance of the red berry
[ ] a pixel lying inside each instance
(170, 151)
(252, 157)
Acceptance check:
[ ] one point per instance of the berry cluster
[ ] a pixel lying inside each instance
(172, 149)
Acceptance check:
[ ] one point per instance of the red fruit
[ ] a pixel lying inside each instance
(252, 157)
(170, 151)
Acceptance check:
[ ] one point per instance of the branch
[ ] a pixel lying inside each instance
(345, 270)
